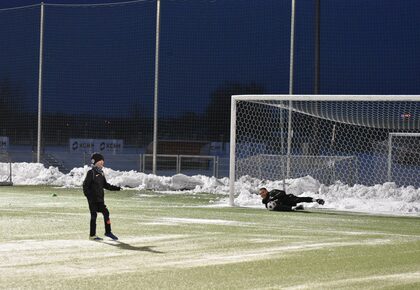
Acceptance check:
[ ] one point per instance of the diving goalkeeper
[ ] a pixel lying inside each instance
(278, 200)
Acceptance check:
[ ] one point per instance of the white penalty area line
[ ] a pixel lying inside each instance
(397, 279)
(259, 254)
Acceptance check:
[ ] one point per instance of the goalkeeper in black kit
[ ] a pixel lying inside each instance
(278, 200)
(93, 188)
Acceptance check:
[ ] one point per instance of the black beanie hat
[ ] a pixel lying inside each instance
(96, 157)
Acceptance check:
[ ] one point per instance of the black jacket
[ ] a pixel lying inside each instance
(284, 202)
(94, 184)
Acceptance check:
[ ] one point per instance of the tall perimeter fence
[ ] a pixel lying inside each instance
(149, 83)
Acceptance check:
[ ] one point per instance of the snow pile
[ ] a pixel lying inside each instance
(384, 198)
(30, 173)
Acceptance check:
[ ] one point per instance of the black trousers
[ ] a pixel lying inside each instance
(296, 199)
(286, 204)
(94, 208)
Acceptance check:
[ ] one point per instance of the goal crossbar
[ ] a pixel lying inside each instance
(331, 98)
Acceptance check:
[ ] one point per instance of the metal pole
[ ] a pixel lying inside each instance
(178, 164)
(389, 158)
(283, 159)
(140, 162)
(289, 128)
(41, 48)
(232, 151)
(10, 170)
(292, 44)
(317, 56)
(216, 167)
(155, 113)
(332, 150)
(314, 150)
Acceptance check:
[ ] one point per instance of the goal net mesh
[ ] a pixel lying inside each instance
(5, 169)
(359, 141)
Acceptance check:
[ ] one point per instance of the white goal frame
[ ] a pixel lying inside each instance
(8, 181)
(291, 98)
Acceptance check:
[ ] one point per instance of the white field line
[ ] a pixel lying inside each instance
(62, 259)
(261, 254)
(36, 245)
(30, 236)
(34, 255)
(398, 279)
(172, 220)
(367, 233)
(25, 210)
(80, 258)
(168, 221)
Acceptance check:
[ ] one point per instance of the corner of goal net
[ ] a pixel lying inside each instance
(6, 183)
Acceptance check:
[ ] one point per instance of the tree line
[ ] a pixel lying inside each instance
(19, 123)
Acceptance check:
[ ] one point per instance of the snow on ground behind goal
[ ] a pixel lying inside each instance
(384, 198)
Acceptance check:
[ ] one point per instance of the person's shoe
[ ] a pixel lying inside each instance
(298, 207)
(320, 201)
(95, 238)
(111, 236)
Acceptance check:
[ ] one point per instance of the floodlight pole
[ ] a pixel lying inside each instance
(289, 123)
(41, 48)
(317, 57)
(156, 99)
(292, 44)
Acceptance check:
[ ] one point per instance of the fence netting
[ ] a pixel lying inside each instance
(98, 71)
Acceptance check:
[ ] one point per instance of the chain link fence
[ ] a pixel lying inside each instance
(79, 78)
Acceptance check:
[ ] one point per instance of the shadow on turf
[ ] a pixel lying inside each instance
(129, 247)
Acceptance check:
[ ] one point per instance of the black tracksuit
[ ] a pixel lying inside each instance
(284, 202)
(93, 188)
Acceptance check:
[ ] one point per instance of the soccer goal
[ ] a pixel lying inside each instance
(352, 139)
(5, 170)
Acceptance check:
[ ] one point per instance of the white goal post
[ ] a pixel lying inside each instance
(5, 170)
(351, 139)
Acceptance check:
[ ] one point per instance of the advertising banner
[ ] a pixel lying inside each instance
(96, 145)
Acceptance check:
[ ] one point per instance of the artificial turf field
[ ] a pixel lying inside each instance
(183, 241)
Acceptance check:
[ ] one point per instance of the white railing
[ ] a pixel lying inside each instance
(178, 162)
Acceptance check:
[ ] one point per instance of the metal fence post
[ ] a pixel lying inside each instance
(216, 166)
(178, 164)
(289, 128)
(41, 48)
(389, 161)
(140, 162)
(155, 113)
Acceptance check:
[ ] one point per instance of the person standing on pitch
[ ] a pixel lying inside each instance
(278, 200)
(93, 188)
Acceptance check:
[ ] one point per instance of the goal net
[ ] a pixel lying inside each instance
(349, 139)
(5, 169)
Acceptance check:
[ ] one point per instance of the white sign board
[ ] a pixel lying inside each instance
(96, 145)
(4, 143)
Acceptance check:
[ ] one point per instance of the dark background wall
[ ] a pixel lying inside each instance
(99, 63)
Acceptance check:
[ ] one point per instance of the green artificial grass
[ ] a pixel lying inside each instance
(186, 241)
